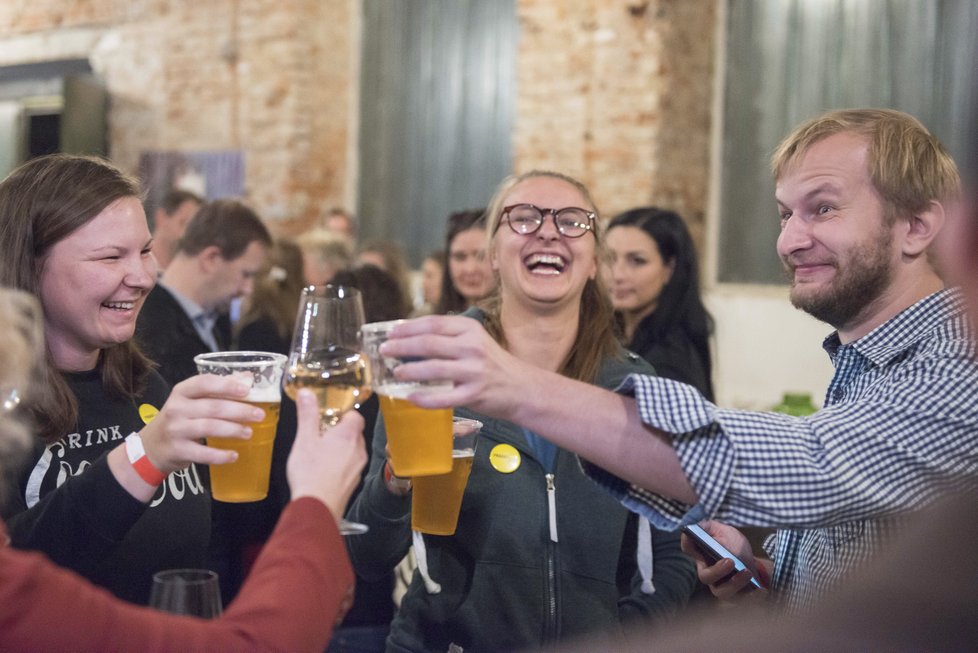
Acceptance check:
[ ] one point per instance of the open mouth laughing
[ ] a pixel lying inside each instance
(546, 264)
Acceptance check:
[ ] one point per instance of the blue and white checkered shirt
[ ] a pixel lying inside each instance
(899, 428)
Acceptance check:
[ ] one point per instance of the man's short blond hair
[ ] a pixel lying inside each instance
(908, 166)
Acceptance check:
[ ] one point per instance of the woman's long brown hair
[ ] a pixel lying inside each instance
(41, 203)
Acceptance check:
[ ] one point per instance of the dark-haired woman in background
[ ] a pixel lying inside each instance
(467, 276)
(366, 625)
(654, 281)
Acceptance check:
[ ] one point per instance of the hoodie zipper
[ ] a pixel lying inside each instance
(552, 630)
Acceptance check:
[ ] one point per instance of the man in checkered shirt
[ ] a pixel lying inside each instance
(861, 196)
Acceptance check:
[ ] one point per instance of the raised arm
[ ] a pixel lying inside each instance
(565, 411)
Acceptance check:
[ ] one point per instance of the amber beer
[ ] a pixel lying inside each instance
(436, 500)
(246, 479)
(419, 440)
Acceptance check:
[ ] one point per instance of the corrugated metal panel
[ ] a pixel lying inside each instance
(436, 114)
(793, 59)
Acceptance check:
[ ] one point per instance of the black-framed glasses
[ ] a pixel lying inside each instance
(526, 219)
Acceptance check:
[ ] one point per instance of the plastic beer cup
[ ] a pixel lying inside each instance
(436, 500)
(419, 440)
(246, 479)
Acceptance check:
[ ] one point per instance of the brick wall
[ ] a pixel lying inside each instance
(619, 95)
(270, 77)
(616, 92)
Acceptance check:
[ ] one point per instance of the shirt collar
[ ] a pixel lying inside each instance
(903, 329)
(194, 311)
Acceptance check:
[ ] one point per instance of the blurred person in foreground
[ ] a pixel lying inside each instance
(540, 553)
(300, 585)
(861, 197)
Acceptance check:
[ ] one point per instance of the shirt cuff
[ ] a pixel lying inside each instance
(706, 456)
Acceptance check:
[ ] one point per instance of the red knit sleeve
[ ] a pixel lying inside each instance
(299, 587)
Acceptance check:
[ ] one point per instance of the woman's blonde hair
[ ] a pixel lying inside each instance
(596, 339)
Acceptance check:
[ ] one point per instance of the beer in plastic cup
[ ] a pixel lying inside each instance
(246, 479)
(436, 500)
(419, 440)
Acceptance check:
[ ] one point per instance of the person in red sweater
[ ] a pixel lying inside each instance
(301, 583)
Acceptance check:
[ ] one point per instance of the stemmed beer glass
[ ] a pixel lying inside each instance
(326, 357)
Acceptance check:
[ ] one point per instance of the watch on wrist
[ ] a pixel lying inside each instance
(398, 485)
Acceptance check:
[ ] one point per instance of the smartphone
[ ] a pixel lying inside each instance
(713, 551)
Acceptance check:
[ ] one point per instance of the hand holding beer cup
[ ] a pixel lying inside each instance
(198, 405)
(419, 440)
(246, 479)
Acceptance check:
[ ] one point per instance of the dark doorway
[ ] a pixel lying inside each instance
(43, 134)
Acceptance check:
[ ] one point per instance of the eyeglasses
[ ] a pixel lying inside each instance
(526, 219)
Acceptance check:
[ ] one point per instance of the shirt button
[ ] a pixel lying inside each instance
(838, 393)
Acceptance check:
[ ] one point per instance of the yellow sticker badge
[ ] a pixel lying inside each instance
(147, 412)
(504, 458)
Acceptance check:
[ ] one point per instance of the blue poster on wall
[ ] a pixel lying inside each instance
(212, 175)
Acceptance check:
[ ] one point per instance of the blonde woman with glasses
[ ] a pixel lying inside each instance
(540, 553)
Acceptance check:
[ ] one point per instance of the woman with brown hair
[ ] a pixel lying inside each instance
(111, 489)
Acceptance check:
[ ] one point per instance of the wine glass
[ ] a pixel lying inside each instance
(187, 591)
(326, 357)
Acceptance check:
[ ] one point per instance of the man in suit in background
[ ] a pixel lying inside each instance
(216, 260)
(170, 221)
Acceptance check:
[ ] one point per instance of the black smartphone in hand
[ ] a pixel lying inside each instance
(713, 551)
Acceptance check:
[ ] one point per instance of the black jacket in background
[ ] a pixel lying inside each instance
(674, 356)
(166, 334)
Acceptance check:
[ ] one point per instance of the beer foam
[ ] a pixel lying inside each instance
(403, 390)
(268, 394)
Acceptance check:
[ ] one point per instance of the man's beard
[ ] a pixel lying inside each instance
(866, 275)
